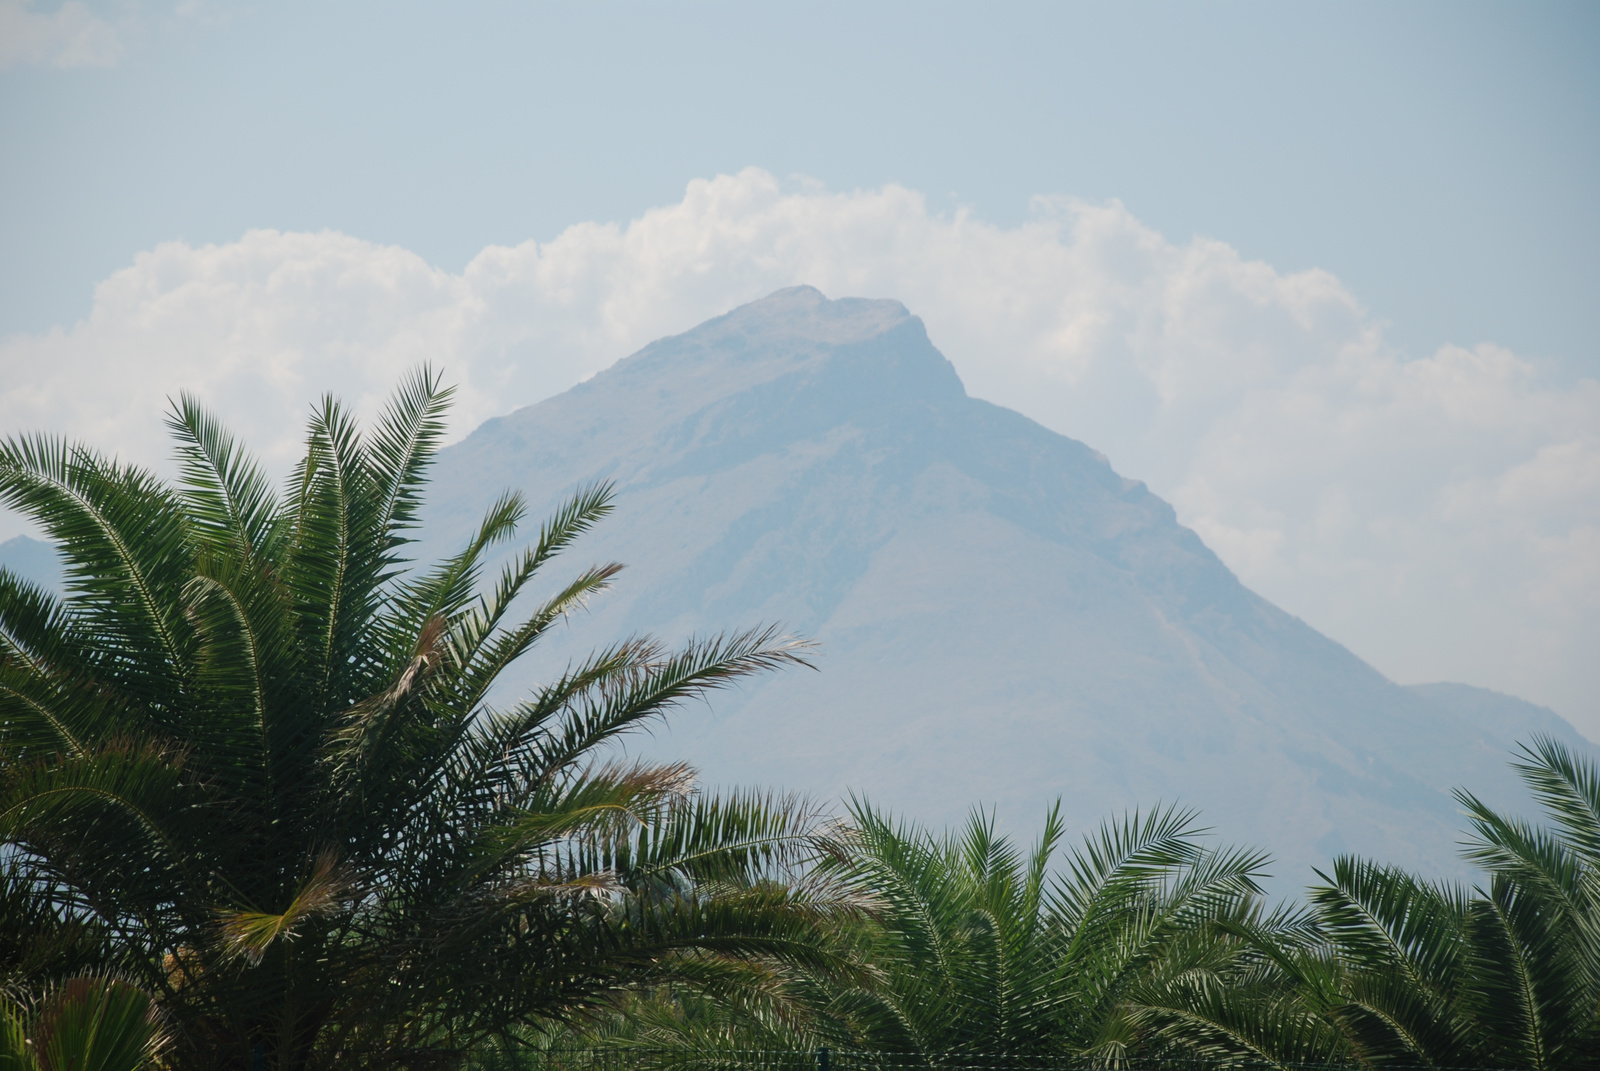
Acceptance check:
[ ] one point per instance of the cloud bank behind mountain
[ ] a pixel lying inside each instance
(70, 36)
(1438, 513)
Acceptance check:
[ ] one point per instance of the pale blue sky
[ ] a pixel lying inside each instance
(1441, 158)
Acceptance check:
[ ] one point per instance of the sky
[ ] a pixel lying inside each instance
(1323, 275)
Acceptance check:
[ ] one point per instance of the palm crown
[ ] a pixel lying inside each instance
(1413, 972)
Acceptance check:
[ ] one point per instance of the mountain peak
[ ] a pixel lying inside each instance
(804, 312)
(817, 357)
(785, 329)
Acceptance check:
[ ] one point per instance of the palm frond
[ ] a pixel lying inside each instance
(403, 443)
(1568, 787)
(647, 684)
(251, 933)
(338, 557)
(227, 495)
(1130, 853)
(124, 795)
(739, 839)
(96, 1024)
(126, 551)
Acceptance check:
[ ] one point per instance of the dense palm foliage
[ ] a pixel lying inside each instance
(1413, 973)
(972, 951)
(1144, 946)
(85, 1024)
(986, 949)
(252, 762)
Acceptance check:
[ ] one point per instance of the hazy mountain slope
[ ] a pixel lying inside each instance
(31, 559)
(1495, 716)
(1003, 618)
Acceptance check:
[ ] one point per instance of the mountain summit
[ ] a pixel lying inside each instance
(1003, 619)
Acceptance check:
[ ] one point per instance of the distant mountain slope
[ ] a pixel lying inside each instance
(31, 559)
(1003, 618)
(1495, 716)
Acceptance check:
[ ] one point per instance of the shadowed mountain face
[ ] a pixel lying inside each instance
(1002, 618)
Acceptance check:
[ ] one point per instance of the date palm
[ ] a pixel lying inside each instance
(1404, 972)
(262, 752)
(974, 952)
(986, 949)
(1506, 974)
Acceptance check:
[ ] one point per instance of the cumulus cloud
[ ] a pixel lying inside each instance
(69, 36)
(1439, 513)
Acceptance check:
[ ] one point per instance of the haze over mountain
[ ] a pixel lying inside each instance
(31, 559)
(1003, 619)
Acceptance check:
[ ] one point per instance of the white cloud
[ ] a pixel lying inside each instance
(69, 36)
(1439, 514)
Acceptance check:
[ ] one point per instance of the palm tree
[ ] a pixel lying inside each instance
(971, 952)
(986, 949)
(1416, 973)
(261, 753)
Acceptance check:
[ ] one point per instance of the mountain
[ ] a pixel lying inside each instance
(31, 559)
(1002, 618)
